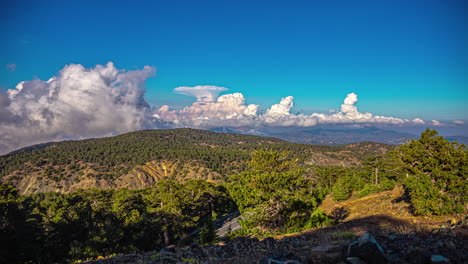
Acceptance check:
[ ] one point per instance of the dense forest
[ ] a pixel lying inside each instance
(178, 154)
(276, 193)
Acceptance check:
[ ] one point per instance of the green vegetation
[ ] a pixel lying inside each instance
(437, 172)
(53, 227)
(276, 191)
(432, 170)
(189, 151)
(274, 196)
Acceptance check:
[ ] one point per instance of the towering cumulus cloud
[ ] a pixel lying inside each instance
(76, 103)
(231, 110)
(210, 110)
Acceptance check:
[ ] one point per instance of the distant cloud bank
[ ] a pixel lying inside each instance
(102, 101)
(230, 110)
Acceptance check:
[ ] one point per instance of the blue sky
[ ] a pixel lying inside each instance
(402, 58)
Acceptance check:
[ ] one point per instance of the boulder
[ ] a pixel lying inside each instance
(368, 249)
(439, 259)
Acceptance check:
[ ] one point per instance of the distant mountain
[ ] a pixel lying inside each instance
(459, 139)
(325, 135)
(139, 159)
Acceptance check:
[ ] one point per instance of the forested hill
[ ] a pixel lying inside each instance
(139, 159)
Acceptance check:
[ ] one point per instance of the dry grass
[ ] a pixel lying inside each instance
(387, 203)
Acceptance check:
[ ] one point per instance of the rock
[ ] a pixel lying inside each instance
(392, 235)
(168, 249)
(355, 260)
(368, 249)
(325, 254)
(326, 248)
(439, 259)
(450, 245)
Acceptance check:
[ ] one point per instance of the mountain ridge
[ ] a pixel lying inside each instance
(139, 159)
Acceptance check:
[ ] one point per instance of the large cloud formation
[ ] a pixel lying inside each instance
(76, 103)
(230, 110)
(102, 101)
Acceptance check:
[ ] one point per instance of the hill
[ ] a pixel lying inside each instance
(139, 159)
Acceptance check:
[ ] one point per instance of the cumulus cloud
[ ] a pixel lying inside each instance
(102, 101)
(436, 123)
(76, 103)
(231, 110)
(459, 122)
(418, 121)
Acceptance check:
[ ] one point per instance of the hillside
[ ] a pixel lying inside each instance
(403, 238)
(139, 159)
(411, 200)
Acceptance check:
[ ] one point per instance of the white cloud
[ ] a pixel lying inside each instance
(228, 109)
(459, 122)
(436, 123)
(203, 93)
(418, 121)
(349, 102)
(102, 101)
(282, 108)
(76, 103)
(231, 110)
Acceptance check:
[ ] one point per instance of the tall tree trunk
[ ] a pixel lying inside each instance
(166, 237)
(376, 175)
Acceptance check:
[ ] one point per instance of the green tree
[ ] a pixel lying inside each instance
(273, 196)
(435, 174)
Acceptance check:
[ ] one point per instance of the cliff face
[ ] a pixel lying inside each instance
(40, 180)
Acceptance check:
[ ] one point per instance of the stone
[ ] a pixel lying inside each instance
(368, 249)
(355, 260)
(326, 248)
(439, 259)
(327, 253)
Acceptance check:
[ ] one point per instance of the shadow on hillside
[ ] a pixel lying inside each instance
(383, 226)
(404, 241)
(340, 213)
(408, 242)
